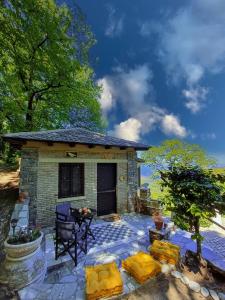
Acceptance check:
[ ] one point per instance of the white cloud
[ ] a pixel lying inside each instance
(129, 130)
(145, 29)
(148, 28)
(115, 23)
(193, 43)
(106, 99)
(195, 98)
(171, 126)
(133, 91)
(208, 136)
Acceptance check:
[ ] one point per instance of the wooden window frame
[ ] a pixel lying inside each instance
(70, 169)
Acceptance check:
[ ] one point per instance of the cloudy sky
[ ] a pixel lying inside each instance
(161, 65)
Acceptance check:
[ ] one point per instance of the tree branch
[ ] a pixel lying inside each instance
(38, 46)
(47, 88)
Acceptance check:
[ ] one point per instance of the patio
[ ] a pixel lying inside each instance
(114, 242)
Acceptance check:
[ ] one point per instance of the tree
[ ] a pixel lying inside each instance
(176, 152)
(193, 193)
(84, 118)
(44, 69)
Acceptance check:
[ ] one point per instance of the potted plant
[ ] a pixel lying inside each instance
(158, 220)
(25, 257)
(23, 243)
(84, 211)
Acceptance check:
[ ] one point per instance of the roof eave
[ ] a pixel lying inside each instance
(13, 140)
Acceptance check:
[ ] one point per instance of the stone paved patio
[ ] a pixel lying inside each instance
(64, 281)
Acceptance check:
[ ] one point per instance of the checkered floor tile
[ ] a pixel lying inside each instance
(110, 233)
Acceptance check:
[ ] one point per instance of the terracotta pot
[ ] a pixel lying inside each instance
(21, 250)
(158, 225)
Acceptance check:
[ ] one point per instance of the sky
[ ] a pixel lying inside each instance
(161, 65)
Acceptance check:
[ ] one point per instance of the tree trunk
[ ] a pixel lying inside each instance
(29, 114)
(198, 240)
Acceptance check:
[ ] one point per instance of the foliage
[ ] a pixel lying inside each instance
(24, 236)
(84, 118)
(44, 68)
(193, 193)
(176, 152)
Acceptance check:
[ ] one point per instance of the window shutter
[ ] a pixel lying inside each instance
(77, 176)
(64, 180)
(71, 180)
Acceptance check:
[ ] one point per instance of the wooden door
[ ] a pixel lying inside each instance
(106, 188)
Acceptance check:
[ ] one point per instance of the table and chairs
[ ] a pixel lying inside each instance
(73, 227)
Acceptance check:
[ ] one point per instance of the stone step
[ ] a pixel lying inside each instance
(45, 291)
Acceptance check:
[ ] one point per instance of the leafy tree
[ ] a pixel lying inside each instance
(84, 118)
(176, 152)
(193, 193)
(44, 68)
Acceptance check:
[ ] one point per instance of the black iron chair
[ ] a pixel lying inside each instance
(79, 218)
(69, 237)
(88, 220)
(64, 212)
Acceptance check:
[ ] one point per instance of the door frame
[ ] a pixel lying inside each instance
(116, 175)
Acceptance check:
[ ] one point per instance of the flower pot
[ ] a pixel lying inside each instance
(20, 250)
(158, 225)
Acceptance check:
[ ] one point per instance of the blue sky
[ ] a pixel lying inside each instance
(161, 65)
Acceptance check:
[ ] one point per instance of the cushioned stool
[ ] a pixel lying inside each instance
(165, 251)
(141, 266)
(103, 281)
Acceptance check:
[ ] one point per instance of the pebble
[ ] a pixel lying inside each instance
(194, 286)
(172, 267)
(222, 296)
(176, 274)
(185, 280)
(165, 269)
(204, 292)
(214, 295)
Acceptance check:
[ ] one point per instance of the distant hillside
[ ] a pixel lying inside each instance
(154, 185)
(219, 170)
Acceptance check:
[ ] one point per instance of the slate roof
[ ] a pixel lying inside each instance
(75, 135)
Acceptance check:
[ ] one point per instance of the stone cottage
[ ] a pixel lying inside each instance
(86, 168)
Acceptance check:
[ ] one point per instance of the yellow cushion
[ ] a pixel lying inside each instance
(103, 281)
(166, 251)
(141, 266)
(165, 244)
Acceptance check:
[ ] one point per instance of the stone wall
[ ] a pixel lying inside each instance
(42, 168)
(132, 179)
(8, 197)
(28, 179)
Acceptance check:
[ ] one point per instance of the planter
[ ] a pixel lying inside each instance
(21, 250)
(24, 264)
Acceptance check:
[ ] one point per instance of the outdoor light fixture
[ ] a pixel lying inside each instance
(13, 224)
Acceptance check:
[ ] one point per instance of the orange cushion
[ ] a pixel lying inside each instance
(141, 266)
(103, 281)
(166, 251)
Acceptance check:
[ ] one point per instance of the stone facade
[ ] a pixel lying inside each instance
(132, 173)
(28, 179)
(39, 176)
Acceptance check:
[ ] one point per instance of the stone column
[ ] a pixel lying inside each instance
(28, 180)
(132, 179)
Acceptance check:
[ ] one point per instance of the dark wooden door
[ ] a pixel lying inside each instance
(106, 189)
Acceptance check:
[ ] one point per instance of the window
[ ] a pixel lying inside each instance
(71, 180)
